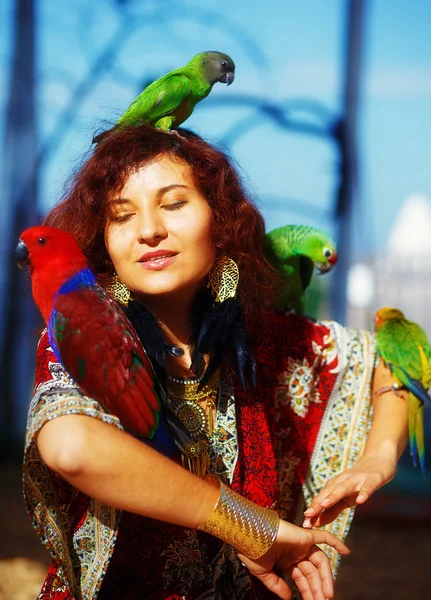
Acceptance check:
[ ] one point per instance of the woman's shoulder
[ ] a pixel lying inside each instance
(280, 324)
(281, 335)
(47, 365)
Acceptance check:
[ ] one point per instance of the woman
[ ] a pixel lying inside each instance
(159, 216)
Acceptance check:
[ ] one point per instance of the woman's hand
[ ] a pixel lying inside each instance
(295, 552)
(353, 486)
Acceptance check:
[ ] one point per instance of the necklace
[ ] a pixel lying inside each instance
(185, 399)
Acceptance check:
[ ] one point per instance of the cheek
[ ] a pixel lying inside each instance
(115, 243)
(203, 241)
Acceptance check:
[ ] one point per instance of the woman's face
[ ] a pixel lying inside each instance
(159, 234)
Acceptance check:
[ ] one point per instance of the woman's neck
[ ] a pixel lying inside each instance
(174, 315)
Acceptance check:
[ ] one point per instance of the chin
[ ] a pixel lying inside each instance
(166, 288)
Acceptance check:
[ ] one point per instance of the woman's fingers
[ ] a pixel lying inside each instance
(309, 580)
(301, 581)
(327, 506)
(275, 584)
(329, 514)
(329, 497)
(360, 482)
(367, 490)
(320, 536)
(321, 561)
(316, 504)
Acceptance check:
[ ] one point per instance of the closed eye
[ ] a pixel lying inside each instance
(122, 218)
(175, 205)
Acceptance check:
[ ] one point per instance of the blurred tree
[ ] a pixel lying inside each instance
(19, 206)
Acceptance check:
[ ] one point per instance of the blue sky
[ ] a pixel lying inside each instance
(283, 50)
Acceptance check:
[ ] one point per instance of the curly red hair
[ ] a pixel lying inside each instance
(238, 226)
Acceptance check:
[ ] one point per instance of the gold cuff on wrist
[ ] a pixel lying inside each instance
(250, 528)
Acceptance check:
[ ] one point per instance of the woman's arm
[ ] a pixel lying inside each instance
(115, 468)
(377, 466)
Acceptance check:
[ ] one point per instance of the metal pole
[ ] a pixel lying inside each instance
(348, 196)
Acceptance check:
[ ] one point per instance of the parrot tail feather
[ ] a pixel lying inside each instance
(415, 386)
(416, 431)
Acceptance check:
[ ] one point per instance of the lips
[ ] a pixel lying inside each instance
(157, 255)
(158, 260)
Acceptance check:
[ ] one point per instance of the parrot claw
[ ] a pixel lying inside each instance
(175, 132)
(395, 389)
(170, 131)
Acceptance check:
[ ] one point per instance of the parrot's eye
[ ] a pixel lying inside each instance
(41, 241)
(327, 253)
(224, 63)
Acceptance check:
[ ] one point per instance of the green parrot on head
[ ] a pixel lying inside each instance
(404, 347)
(169, 101)
(294, 250)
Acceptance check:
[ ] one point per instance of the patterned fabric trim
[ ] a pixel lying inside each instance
(346, 423)
(224, 443)
(91, 543)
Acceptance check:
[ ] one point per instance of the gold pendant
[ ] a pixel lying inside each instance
(184, 398)
(193, 416)
(210, 416)
(196, 458)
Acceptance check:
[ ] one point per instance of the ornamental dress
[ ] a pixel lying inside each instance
(307, 420)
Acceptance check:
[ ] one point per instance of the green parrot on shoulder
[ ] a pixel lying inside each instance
(294, 251)
(169, 101)
(404, 347)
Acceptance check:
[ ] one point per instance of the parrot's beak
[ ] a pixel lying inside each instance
(323, 267)
(227, 77)
(21, 254)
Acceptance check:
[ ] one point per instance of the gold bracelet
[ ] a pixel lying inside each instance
(250, 528)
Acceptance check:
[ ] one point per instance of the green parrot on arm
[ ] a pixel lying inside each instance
(170, 100)
(294, 250)
(404, 347)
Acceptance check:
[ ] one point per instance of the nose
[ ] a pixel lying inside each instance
(151, 226)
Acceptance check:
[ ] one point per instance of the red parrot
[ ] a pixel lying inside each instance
(88, 332)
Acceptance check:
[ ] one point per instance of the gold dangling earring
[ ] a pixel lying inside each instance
(223, 278)
(118, 290)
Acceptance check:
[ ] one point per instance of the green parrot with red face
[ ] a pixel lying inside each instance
(404, 347)
(88, 332)
(294, 251)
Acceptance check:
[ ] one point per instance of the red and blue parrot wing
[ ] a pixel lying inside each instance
(98, 346)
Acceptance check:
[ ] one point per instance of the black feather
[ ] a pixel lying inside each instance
(222, 330)
(201, 305)
(151, 335)
(217, 330)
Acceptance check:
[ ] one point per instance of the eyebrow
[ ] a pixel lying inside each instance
(114, 201)
(160, 193)
(168, 188)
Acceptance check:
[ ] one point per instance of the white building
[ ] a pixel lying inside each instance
(401, 278)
